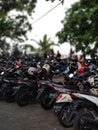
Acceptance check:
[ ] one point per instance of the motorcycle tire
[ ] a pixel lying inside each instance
(45, 100)
(22, 97)
(8, 94)
(64, 117)
(78, 123)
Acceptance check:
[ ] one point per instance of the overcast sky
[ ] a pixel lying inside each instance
(51, 23)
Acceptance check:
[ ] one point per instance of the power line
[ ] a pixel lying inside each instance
(46, 13)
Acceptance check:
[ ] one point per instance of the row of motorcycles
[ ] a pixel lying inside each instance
(74, 101)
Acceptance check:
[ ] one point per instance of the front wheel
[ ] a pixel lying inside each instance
(65, 116)
(22, 97)
(47, 101)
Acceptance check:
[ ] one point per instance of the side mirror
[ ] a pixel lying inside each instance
(71, 75)
(2, 73)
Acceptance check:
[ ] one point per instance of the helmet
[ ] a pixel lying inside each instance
(46, 67)
(31, 70)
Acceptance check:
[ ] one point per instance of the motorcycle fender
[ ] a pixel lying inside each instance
(64, 98)
(40, 91)
(16, 87)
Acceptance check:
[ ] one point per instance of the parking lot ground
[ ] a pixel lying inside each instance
(31, 117)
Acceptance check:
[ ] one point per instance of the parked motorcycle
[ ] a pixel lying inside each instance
(64, 108)
(49, 91)
(7, 76)
(68, 105)
(29, 88)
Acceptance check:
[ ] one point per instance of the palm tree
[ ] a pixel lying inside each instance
(45, 44)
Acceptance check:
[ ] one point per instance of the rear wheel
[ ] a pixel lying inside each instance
(22, 97)
(8, 94)
(78, 122)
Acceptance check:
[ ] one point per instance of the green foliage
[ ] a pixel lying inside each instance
(80, 26)
(4, 47)
(16, 52)
(62, 1)
(24, 49)
(19, 5)
(45, 44)
(14, 23)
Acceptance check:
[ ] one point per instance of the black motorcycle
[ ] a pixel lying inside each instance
(7, 79)
(48, 92)
(29, 88)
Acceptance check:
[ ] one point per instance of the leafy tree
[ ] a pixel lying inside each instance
(4, 47)
(62, 1)
(27, 47)
(80, 26)
(14, 23)
(16, 51)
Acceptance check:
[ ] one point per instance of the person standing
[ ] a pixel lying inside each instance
(58, 56)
